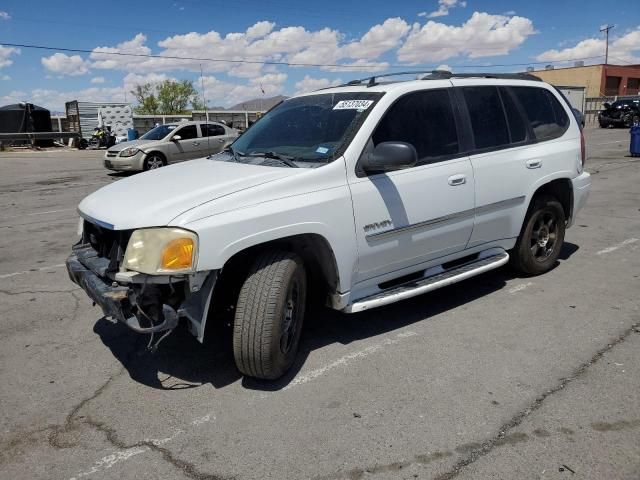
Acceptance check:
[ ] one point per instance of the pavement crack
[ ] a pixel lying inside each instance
(503, 436)
(187, 468)
(73, 421)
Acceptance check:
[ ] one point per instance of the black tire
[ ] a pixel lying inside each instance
(541, 237)
(153, 161)
(269, 315)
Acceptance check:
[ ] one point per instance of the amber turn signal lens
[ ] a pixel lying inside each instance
(178, 254)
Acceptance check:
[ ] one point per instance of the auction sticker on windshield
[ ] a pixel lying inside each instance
(353, 104)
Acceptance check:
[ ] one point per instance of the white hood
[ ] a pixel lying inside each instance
(155, 198)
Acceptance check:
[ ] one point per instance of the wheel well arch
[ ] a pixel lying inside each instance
(560, 188)
(155, 152)
(314, 249)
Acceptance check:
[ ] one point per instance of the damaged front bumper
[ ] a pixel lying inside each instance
(144, 303)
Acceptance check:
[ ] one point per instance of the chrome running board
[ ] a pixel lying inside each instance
(487, 260)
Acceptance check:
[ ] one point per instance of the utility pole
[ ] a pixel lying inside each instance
(606, 30)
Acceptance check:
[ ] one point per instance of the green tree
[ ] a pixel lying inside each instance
(167, 98)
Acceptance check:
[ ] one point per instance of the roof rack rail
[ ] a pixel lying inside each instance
(371, 81)
(435, 75)
(443, 75)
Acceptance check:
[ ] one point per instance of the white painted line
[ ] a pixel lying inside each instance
(609, 143)
(34, 270)
(313, 374)
(618, 246)
(519, 288)
(37, 213)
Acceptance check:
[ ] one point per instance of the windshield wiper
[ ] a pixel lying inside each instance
(233, 152)
(288, 161)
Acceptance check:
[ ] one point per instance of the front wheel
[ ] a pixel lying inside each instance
(541, 238)
(154, 161)
(269, 315)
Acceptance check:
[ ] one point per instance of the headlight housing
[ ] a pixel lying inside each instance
(157, 251)
(129, 152)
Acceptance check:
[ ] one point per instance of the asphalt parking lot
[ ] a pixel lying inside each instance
(497, 377)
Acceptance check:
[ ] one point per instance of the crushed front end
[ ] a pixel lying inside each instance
(148, 301)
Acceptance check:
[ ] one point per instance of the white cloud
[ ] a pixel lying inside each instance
(625, 48)
(63, 64)
(55, 99)
(379, 39)
(260, 43)
(5, 54)
(483, 35)
(260, 29)
(5, 77)
(310, 84)
(444, 67)
(359, 66)
(4, 15)
(443, 8)
(97, 80)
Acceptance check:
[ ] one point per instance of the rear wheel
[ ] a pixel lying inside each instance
(269, 315)
(541, 238)
(154, 161)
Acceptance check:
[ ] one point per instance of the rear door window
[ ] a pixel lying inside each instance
(212, 130)
(488, 122)
(424, 119)
(545, 114)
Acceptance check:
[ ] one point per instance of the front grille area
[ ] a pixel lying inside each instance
(109, 244)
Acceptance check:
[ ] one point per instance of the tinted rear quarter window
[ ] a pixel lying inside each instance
(487, 117)
(543, 111)
(424, 119)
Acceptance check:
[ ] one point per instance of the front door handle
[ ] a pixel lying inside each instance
(537, 163)
(221, 140)
(459, 179)
(195, 144)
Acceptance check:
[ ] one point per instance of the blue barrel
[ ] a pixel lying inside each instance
(132, 134)
(634, 147)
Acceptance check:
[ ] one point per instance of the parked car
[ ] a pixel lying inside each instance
(624, 112)
(364, 194)
(170, 143)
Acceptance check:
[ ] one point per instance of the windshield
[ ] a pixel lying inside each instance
(158, 133)
(313, 129)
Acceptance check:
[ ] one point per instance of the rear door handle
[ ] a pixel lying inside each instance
(195, 144)
(221, 140)
(534, 163)
(459, 179)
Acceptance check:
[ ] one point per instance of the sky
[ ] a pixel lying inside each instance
(284, 47)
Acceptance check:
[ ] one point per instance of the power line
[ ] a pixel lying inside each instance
(273, 62)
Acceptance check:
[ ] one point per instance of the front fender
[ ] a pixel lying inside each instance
(327, 213)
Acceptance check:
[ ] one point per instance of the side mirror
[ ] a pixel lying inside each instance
(389, 156)
(606, 105)
(176, 138)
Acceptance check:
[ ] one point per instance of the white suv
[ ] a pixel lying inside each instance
(368, 193)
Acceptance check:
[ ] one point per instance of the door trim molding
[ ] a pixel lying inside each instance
(482, 210)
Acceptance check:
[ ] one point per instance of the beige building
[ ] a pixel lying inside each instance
(598, 80)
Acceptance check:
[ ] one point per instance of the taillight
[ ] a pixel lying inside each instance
(583, 150)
